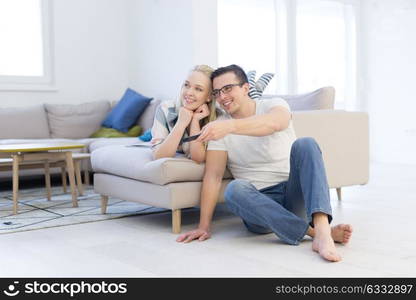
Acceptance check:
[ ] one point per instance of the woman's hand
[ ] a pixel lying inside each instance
(201, 112)
(185, 116)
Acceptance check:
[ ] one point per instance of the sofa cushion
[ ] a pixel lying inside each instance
(75, 121)
(24, 122)
(322, 98)
(146, 119)
(137, 163)
(127, 111)
(105, 132)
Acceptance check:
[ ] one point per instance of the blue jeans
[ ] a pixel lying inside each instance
(285, 208)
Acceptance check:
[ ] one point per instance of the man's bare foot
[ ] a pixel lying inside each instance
(324, 245)
(341, 233)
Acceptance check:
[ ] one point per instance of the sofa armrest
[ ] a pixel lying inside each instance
(344, 140)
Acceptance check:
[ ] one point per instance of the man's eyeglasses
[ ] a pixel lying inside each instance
(225, 89)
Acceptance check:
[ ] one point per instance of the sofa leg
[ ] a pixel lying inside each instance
(339, 193)
(176, 221)
(104, 202)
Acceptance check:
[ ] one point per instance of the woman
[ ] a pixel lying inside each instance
(173, 121)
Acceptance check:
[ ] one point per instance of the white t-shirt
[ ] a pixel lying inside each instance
(264, 161)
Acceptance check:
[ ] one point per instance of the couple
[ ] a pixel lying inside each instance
(280, 183)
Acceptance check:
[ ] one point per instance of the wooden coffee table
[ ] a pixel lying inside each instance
(36, 153)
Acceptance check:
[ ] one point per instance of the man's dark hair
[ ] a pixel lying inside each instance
(237, 70)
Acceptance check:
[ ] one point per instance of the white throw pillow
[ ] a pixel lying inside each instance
(75, 121)
(24, 123)
(322, 98)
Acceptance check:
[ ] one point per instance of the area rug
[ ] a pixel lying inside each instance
(36, 212)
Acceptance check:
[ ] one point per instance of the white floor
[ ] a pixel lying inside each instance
(383, 243)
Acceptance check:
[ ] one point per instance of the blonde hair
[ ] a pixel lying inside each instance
(207, 70)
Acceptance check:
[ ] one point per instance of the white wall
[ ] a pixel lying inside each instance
(389, 45)
(90, 54)
(103, 46)
(167, 38)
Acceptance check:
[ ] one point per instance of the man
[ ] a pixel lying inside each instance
(280, 183)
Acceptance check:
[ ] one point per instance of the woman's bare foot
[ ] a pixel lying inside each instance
(324, 245)
(341, 233)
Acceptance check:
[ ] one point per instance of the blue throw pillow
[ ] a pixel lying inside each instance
(125, 114)
(146, 136)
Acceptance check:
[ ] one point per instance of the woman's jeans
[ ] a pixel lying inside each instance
(285, 208)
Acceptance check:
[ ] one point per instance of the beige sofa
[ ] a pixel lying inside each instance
(129, 173)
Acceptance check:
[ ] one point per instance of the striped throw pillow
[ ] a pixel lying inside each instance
(257, 87)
